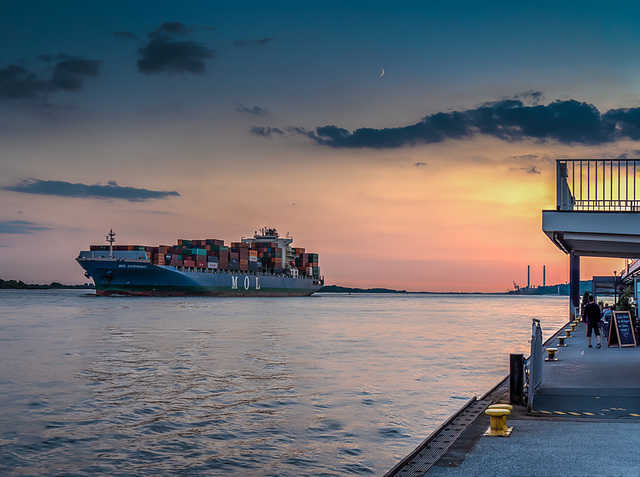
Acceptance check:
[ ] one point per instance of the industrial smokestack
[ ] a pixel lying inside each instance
(528, 276)
(544, 275)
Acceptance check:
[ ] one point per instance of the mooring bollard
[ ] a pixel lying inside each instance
(573, 327)
(561, 341)
(498, 421)
(502, 406)
(568, 332)
(552, 354)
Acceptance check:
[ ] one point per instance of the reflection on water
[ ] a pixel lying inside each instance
(327, 385)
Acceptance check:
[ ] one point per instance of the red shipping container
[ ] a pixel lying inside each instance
(189, 263)
(201, 264)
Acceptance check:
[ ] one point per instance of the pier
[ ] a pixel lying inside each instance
(585, 420)
(581, 411)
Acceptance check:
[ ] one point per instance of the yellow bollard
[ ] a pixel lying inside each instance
(498, 422)
(568, 332)
(573, 327)
(561, 341)
(502, 406)
(552, 354)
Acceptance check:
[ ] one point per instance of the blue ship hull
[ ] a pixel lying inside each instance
(115, 276)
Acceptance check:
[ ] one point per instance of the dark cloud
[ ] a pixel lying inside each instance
(629, 155)
(19, 83)
(67, 189)
(567, 122)
(170, 29)
(126, 34)
(248, 43)
(420, 164)
(20, 227)
(527, 157)
(68, 74)
(256, 110)
(165, 53)
(530, 170)
(266, 131)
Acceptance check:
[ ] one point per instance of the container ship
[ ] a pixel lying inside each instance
(263, 265)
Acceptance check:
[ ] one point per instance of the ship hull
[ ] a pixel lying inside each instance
(133, 278)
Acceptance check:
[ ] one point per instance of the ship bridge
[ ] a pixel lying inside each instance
(597, 213)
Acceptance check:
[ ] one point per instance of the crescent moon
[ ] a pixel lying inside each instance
(381, 74)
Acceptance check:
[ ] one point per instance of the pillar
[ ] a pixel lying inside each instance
(574, 284)
(516, 379)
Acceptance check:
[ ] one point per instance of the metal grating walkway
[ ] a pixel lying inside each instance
(418, 462)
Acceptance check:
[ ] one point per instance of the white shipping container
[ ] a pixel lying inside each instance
(212, 264)
(252, 258)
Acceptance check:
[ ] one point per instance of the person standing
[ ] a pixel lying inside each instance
(591, 315)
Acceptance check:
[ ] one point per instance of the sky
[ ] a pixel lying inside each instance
(412, 145)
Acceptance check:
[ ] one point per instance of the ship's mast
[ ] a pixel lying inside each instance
(111, 238)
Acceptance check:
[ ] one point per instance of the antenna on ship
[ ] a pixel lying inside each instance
(111, 238)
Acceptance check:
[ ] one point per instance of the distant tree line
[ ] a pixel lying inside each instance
(19, 284)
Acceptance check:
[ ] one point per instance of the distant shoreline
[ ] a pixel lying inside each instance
(559, 290)
(562, 290)
(20, 285)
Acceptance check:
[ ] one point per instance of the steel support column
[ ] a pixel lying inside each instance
(574, 284)
(516, 379)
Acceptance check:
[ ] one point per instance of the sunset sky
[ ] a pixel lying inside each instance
(412, 144)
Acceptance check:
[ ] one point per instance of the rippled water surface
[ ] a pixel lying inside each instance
(325, 385)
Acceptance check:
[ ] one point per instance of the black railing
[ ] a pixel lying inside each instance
(598, 184)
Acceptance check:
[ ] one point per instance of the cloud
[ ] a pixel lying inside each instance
(266, 131)
(126, 34)
(526, 157)
(567, 122)
(250, 43)
(166, 53)
(19, 83)
(629, 154)
(528, 170)
(67, 189)
(68, 74)
(420, 164)
(256, 110)
(20, 227)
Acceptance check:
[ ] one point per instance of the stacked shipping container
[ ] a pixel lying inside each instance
(213, 254)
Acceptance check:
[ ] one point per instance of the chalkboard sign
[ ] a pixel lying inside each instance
(621, 330)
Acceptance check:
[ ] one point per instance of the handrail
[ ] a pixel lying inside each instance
(600, 185)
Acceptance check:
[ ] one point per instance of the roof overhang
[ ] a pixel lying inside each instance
(594, 234)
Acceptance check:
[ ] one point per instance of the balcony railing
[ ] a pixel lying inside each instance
(609, 185)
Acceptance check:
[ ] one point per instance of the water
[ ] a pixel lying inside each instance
(326, 385)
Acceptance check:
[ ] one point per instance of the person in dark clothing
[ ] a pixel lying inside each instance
(591, 315)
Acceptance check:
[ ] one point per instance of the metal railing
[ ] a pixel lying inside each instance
(601, 185)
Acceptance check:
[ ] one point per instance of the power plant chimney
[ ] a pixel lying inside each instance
(528, 276)
(544, 275)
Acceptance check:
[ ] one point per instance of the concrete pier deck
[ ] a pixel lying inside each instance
(585, 420)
